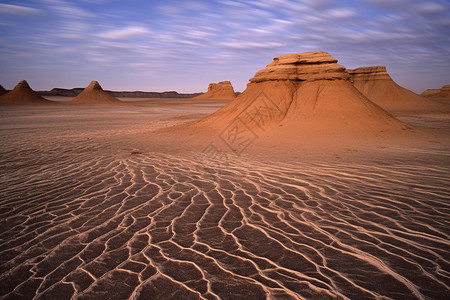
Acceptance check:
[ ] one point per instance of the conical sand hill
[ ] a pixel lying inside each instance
(222, 90)
(22, 94)
(376, 84)
(93, 94)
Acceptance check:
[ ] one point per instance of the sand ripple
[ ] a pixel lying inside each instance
(147, 226)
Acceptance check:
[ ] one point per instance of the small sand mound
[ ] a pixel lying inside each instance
(22, 94)
(93, 94)
(222, 90)
(376, 84)
(443, 92)
(298, 98)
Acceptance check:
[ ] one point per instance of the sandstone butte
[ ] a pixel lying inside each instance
(221, 91)
(303, 97)
(443, 92)
(22, 94)
(94, 94)
(375, 83)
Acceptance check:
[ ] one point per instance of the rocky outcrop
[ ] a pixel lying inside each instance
(443, 92)
(94, 94)
(121, 94)
(140, 94)
(222, 90)
(369, 73)
(308, 66)
(22, 94)
(375, 83)
(297, 98)
(59, 92)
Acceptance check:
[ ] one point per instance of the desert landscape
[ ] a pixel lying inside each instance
(316, 182)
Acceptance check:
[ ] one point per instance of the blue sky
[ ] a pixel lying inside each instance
(184, 45)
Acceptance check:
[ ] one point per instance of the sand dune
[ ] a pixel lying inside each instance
(376, 84)
(22, 94)
(221, 90)
(93, 94)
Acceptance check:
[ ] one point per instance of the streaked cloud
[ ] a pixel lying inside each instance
(67, 10)
(125, 33)
(430, 8)
(19, 10)
(341, 13)
(249, 46)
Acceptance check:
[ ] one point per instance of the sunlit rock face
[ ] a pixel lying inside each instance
(221, 90)
(369, 73)
(308, 66)
(443, 92)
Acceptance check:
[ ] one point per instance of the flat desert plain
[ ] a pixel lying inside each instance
(107, 203)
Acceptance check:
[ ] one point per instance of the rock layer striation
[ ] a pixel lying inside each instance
(308, 66)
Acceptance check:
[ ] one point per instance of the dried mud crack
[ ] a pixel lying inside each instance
(156, 226)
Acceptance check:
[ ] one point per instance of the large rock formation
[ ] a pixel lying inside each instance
(300, 97)
(309, 66)
(2, 90)
(376, 84)
(222, 90)
(22, 94)
(93, 94)
(443, 92)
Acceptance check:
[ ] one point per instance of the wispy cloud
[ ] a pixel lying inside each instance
(341, 13)
(430, 8)
(125, 33)
(249, 46)
(18, 10)
(68, 10)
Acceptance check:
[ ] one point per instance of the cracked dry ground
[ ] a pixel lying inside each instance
(95, 225)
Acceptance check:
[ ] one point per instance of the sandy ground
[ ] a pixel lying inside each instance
(95, 205)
